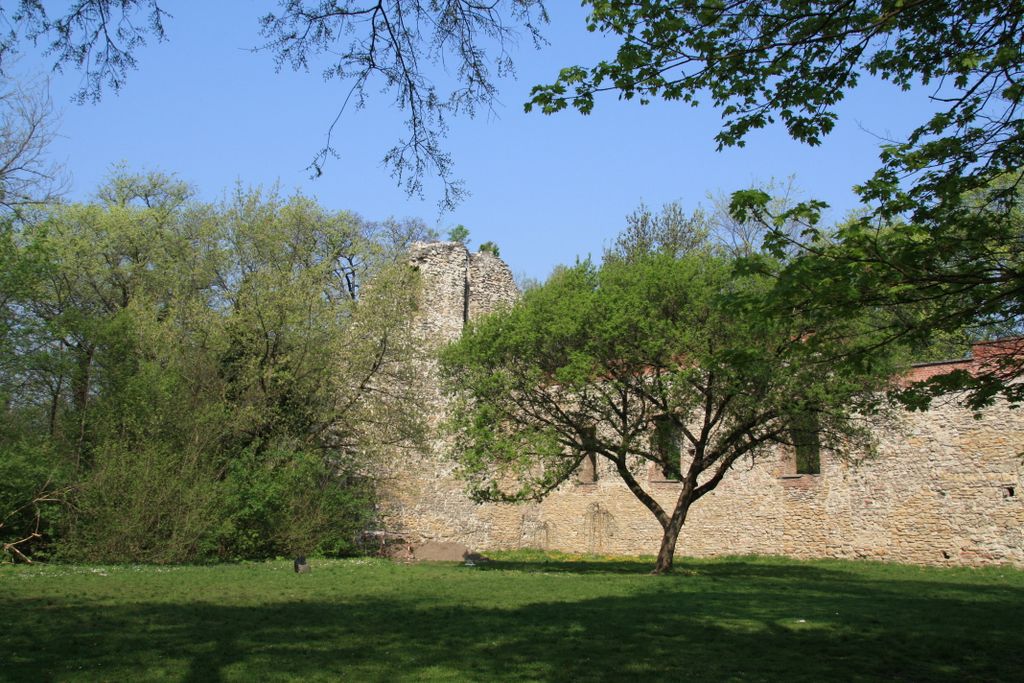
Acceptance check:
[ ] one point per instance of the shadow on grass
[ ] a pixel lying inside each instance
(571, 566)
(727, 621)
(738, 568)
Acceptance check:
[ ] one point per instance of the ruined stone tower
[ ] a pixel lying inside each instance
(422, 498)
(458, 286)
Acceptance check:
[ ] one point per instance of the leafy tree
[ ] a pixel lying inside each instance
(955, 174)
(756, 61)
(657, 364)
(669, 231)
(943, 222)
(80, 381)
(490, 248)
(201, 381)
(948, 283)
(33, 485)
(460, 234)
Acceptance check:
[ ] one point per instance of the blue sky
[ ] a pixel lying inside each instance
(546, 188)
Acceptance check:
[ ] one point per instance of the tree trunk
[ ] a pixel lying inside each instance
(55, 397)
(667, 552)
(80, 394)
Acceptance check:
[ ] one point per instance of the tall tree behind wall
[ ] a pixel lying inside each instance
(202, 376)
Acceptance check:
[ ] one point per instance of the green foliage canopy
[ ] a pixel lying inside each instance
(940, 238)
(201, 381)
(669, 231)
(945, 283)
(604, 360)
(460, 234)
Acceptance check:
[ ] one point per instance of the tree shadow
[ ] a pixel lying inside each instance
(729, 568)
(748, 623)
(570, 566)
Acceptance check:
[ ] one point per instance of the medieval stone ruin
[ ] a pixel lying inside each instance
(944, 488)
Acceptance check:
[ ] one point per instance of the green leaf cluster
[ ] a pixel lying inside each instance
(620, 360)
(938, 242)
(196, 381)
(933, 288)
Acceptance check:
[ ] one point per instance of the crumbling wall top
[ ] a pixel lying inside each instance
(491, 285)
(458, 286)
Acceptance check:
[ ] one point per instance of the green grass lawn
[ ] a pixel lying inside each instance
(526, 616)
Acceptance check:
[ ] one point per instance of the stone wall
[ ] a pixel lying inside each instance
(944, 488)
(422, 499)
(444, 269)
(491, 285)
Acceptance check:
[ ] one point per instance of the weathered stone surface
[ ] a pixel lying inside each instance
(444, 551)
(443, 268)
(490, 285)
(422, 498)
(944, 488)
